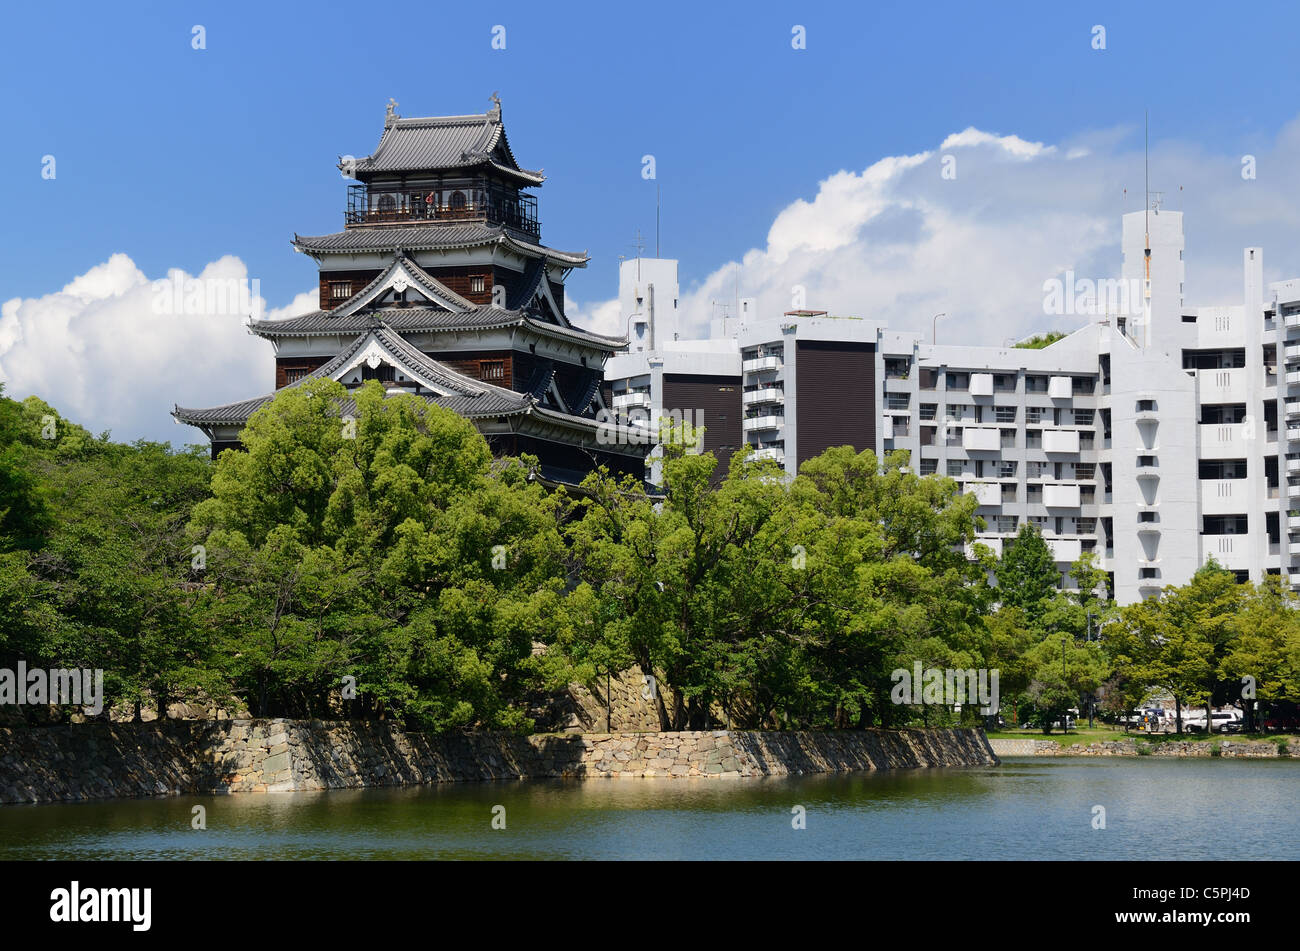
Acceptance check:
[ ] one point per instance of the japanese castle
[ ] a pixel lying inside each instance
(439, 286)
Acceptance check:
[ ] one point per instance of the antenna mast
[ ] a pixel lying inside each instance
(1146, 211)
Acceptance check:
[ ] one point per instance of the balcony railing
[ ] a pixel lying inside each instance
(467, 201)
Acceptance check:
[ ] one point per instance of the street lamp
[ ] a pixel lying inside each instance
(1092, 697)
(934, 326)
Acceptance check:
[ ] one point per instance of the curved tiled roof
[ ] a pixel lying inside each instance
(441, 142)
(431, 237)
(422, 319)
(469, 397)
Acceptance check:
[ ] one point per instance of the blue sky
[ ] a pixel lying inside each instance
(176, 157)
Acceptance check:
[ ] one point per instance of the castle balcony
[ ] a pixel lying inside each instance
(466, 200)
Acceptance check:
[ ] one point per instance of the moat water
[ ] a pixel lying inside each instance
(1023, 809)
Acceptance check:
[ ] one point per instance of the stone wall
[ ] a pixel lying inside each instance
(94, 761)
(1129, 747)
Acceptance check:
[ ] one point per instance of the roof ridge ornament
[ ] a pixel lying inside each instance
(494, 114)
(390, 115)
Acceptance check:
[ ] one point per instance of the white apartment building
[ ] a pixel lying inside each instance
(1155, 435)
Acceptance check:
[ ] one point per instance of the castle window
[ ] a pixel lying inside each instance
(340, 290)
(476, 285)
(492, 370)
(294, 374)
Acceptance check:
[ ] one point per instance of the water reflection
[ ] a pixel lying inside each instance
(1037, 809)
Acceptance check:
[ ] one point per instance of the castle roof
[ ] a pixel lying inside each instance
(432, 237)
(437, 143)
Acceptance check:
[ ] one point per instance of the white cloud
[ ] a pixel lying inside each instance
(110, 353)
(899, 242)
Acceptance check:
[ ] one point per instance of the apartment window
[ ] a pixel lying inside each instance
(1223, 413)
(1222, 469)
(1035, 384)
(929, 379)
(1037, 470)
(927, 435)
(1085, 472)
(929, 466)
(1083, 417)
(1146, 516)
(954, 411)
(958, 381)
(1084, 385)
(1034, 492)
(1039, 522)
(1006, 469)
(477, 285)
(1004, 414)
(1146, 406)
(1087, 441)
(1225, 525)
(1033, 414)
(928, 410)
(1085, 526)
(1087, 494)
(1008, 493)
(897, 400)
(1033, 439)
(491, 369)
(955, 468)
(340, 290)
(1006, 524)
(897, 369)
(1004, 383)
(1008, 438)
(1148, 572)
(1146, 461)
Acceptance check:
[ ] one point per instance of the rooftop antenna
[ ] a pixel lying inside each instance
(639, 244)
(1146, 174)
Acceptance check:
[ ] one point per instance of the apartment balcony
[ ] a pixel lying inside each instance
(1148, 528)
(1147, 416)
(1293, 523)
(1225, 497)
(772, 452)
(1293, 490)
(1293, 466)
(980, 440)
(986, 493)
(758, 364)
(1292, 321)
(1292, 353)
(1147, 470)
(1065, 549)
(1061, 496)
(1231, 551)
(992, 542)
(1221, 386)
(1060, 440)
(981, 384)
(1293, 378)
(1293, 546)
(1060, 387)
(753, 424)
(767, 394)
(629, 400)
(1222, 440)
